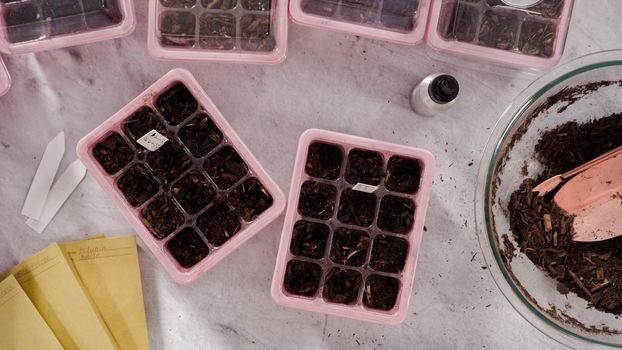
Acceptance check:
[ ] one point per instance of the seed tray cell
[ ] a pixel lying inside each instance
(349, 244)
(197, 197)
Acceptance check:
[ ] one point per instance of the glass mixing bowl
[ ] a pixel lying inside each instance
(566, 318)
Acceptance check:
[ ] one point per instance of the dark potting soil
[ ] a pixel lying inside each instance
(302, 278)
(169, 161)
(309, 239)
(342, 286)
(357, 208)
(381, 292)
(200, 135)
(141, 122)
(250, 199)
(364, 167)
(225, 167)
(349, 247)
(403, 175)
(396, 214)
(591, 270)
(498, 30)
(113, 153)
(317, 200)
(162, 216)
(219, 223)
(137, 185)
(388, 254)
(177, 104)
(194, 192)
(187, 247)
(324, 160)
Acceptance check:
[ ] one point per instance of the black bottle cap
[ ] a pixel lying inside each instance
(443, 89)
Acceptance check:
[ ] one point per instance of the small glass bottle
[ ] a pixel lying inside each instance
(434, 94)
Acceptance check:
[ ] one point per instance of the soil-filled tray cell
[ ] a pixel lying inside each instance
(537, 38)
(349, 247)
(388, 254)
(225, 167)
(498, 30)
(162, 216)
(219, 4)
(187, 247)
(141, 122)
(177, 104)
(342, 286)
(198, 180)
(40, 25)
(324, 8)
(399, 14)
(396, 214)
(169, 161)
(113, 153)
(137, 185)
(217, 31)
(250, 199)
(381, 292)
(357, 208)
(531, 37)
(178, 28)
(194, 192)
(255, 33)
(363, 11)
(353, 227)
(200, 135)
(302, 278)
(364, 167)
(219, 223)
(324, 161)
(309, 239)
(317, 200)
(256, 5)
(403, 175)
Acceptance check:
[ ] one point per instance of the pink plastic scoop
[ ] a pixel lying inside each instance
(594, 197)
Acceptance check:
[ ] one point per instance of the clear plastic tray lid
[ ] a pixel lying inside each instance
(529, 27)
(35, 20)
(218, 25)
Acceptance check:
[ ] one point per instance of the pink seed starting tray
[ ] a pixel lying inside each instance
(525, 37)
(5, 78)
(353, 228)
(39, 25)
(229, 31)
(197, 197)
(399, 21)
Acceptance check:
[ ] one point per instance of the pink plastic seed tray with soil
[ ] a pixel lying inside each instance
(353, 227)
(527, 37)
(400, 21)
(197, 197)
(39, 25)
(238, 31)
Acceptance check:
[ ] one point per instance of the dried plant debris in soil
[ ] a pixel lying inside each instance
(113, 153)
(188, 248)
(302, 278)
(381, 292)
(342, 286)
(324, 160)
(162, 216)
(309, 239)
(219, 223)
(349, 247)
(544, 233)
(250, 199)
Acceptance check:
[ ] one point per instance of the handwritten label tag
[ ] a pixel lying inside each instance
(152, 140)
(365, 188)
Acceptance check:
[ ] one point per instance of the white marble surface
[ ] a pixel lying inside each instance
(331, 81)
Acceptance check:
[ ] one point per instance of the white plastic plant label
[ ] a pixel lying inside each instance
(365, 188)
(521, 3)
(152, 140)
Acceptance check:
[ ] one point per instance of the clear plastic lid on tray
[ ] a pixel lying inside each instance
(401, 21)
(520, 33)
(5, 78)
(244, 31)
(39, 25)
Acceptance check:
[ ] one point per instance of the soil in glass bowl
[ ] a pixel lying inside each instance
(592, 271)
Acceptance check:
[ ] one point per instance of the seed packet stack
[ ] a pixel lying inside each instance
(73, 296)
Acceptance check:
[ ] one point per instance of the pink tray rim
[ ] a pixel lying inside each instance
(298, 16)
(318, 305)
(125, 28)
(277, 56)
(503, 57)
(180, 275)
(5, 78)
